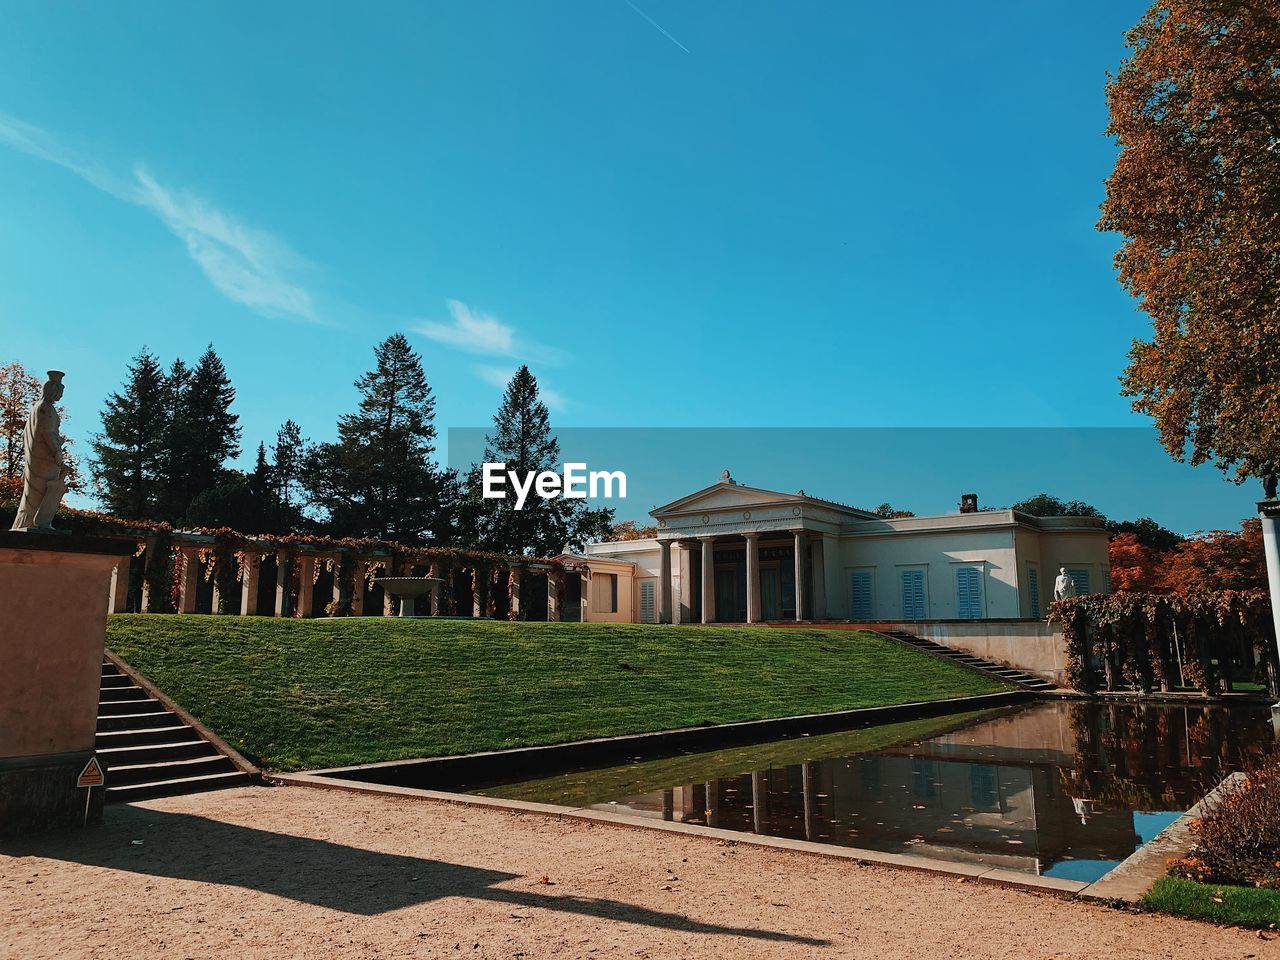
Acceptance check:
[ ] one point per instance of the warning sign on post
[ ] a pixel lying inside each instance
(91, 775)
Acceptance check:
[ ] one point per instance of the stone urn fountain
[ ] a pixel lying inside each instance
(407, 590)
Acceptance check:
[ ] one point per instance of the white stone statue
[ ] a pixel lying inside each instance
(45, 471)
(1064, 586)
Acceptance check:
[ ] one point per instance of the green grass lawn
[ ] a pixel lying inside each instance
(1216, 902)
(299, 694)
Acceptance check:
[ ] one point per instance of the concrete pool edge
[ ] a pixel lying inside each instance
(599, 749)
(952, 868)
(1129, 881)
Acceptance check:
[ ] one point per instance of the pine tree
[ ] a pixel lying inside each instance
(130, 453)
(203, 432)
(287, 455)
(522, 439)
(378, 479)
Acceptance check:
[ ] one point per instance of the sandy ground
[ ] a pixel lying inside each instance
(298, 872)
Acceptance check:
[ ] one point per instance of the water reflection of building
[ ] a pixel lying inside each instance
(1025, 790)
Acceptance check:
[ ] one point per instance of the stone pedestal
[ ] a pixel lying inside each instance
(54, 591)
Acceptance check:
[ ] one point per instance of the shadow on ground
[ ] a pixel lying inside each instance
(319, 872)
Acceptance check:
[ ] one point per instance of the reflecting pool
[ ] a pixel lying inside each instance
(1060, 788)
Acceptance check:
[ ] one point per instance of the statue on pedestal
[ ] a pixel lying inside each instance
(1064, 586)
(44, 470)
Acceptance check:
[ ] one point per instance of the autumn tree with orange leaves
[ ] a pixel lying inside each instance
(18, 392)
(1195, 193)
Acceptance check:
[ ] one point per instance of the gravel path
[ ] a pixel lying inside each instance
(297, 872)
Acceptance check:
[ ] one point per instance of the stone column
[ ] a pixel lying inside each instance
(477, 595)
(753, 578)
(553, 599)
(147, 604)
(514, 589)
(664, 582)
(306, 584)
(339, 594)
(819, 579)
(712, 809)
(684, 607)
(433, 570)
(357, 588)
(392, 569)
(584, 596)
(1269, 512)
(119, 597)
(188, 581)
(249, 585)
(281, 608)
(799, 575)
(216, 604)
(708, 580)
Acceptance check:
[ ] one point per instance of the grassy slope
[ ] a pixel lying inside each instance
(1239, 906)
(298, 694)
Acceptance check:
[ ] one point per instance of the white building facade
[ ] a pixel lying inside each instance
(731, 553)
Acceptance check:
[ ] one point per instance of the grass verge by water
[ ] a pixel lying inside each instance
(300, 694)
(1215, 902)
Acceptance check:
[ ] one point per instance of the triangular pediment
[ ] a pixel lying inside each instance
(725, 495)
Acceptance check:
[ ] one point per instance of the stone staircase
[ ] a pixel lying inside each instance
(148, 751)
(1025, 680)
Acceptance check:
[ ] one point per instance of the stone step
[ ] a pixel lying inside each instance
(115, 708)
(130, 774)
(135, 721)
(966, 659)
(141, 753)
(176, 786)
(115, 680)
(116, 694)
(134, 736)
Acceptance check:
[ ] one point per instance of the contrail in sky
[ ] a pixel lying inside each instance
(656, 25)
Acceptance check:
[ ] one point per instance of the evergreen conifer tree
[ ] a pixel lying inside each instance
(203, 433)
(522, 439)
(130, 457)
(378, 479)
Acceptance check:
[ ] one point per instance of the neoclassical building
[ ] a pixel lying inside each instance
(732, 553)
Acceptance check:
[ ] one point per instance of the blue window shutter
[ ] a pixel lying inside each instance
(968, 593)
(1080, 577)
(913, 603)
(860, 595)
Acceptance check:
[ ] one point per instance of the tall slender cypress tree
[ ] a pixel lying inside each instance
(130, 453)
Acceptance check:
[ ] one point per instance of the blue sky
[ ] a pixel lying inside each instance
(715, 214)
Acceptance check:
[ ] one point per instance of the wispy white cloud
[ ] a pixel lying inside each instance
(246, 265)
(482, 333)
(501, 376)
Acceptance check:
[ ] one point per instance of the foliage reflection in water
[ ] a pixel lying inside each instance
(1065, 789)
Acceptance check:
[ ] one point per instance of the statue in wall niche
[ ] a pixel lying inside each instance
(44, 472)
(1064, 586)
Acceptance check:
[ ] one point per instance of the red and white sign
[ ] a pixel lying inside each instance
(91, 775)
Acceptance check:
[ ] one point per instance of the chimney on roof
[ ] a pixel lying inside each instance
(968, 503)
